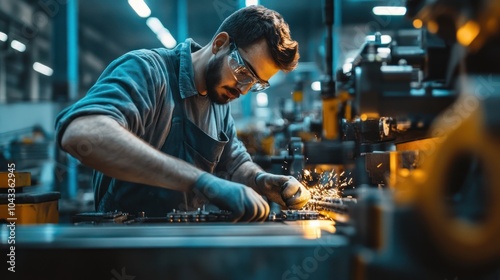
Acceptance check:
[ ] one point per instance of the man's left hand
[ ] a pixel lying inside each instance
(284, 190)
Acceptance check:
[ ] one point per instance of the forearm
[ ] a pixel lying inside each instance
(101, 143)
(245, 174)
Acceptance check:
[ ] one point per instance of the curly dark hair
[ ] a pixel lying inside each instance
(248, 25)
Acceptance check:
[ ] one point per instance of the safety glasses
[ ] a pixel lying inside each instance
(242, 73)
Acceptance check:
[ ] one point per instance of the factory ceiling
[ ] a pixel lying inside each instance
(123, 28)
(110, 28)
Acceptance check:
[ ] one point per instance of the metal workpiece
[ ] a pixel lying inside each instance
(335, 208)
(328, 193)
(185, 217)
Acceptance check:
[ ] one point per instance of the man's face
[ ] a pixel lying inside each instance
(222, 86)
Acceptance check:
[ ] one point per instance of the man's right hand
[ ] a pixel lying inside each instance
(244, 203)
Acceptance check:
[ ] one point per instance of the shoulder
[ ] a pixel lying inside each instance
(147, 55)
(145, 60)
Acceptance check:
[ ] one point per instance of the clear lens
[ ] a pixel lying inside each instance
(242, 75)
(259, 87)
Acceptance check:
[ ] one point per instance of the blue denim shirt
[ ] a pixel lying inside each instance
(133, 90)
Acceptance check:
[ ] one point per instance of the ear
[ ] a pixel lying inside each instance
(220, 41)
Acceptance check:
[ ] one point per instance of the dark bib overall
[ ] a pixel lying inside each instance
(185, 141)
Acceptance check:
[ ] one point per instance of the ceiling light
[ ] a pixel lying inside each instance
(3, 37)
(140, 7)
(42, 69)
(384, 50)
(384, 53)
(155, 25)
(384, 39)
(251, 2)
(167, 39)
(347, 67)
(161, 32)
(316, 86)
(389, 11)
(18, 46)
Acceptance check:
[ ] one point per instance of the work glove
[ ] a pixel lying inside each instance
(284, 190)
(244, 203)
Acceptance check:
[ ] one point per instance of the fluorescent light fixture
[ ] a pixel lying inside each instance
(389, 11)
(384, 50)
(3, 36)
(347, 67)
(18, 46)
(385, 39)
(161, 32)
(316, 85)
(262, 100)
(140, 7)
(166, 39)
(251, 2)
(42, 69)
(155, 25)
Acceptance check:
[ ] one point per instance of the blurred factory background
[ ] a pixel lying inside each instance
(394, 126)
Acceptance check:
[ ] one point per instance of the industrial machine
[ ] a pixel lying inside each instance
(436, 219)
(415, 118)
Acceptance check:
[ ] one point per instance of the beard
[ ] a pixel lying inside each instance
(213, 78)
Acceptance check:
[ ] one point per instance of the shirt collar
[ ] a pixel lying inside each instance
(186, 73)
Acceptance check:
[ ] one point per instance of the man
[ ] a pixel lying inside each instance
(156, 125)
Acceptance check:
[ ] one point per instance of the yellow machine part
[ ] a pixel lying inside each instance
(18, 179)
(459, 131)
(33, 213)
(297, 96)
(331, 107)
